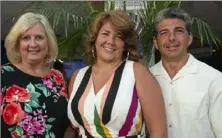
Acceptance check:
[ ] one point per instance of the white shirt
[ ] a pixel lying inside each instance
(193, 100)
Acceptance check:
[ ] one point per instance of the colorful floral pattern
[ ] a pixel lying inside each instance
(13, 113)
(16, 93)
(23, 110)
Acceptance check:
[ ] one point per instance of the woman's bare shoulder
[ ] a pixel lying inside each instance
(72, 80)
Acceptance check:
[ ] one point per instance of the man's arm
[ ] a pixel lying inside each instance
(215, 111)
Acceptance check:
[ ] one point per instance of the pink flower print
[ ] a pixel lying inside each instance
(48, 83)
(27, 136)
(34, 124)
(54, 89)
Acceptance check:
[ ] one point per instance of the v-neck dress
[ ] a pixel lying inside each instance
(115, 110)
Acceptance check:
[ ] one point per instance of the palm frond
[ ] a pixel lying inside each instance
(147, 15)
(60, 13)
(88, 6)
(206, 33)
(67, 15)
(68, 45)
(109, 5)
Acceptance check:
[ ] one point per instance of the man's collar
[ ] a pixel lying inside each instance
(190, 67)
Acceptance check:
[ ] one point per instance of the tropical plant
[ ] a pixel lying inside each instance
(147, 15)
(67, 15)
(75, 23)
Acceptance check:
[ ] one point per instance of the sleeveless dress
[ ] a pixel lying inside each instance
(115, 111)
(32, 107)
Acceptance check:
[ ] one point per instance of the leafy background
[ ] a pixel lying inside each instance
(74, 17)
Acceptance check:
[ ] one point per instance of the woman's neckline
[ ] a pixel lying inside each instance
(28, 74)
(111, 73)
(113, 69)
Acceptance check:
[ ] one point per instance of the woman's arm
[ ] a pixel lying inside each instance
(151, 100)
(70, 133)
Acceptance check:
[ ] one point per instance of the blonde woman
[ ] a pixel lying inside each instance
(34, 97)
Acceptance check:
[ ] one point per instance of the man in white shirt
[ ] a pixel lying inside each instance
(192, 90)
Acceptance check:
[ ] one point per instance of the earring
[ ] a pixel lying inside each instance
(93, 53)
(127, 57)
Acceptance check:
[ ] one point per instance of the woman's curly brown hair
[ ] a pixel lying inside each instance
(123, 23)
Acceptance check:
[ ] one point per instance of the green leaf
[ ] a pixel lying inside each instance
(28, 108)
(88, 6)
(35, 95)
(212, 36)
(44, 89)
(200, 31)
(48, 127)
(19, 131)
(46, 92)
(206, 33)
(34, 104)
(8, 68)
(47, 136)
(40, 86)
(30, 87)
(51, 119)
(109, 5)
(52, 135)
(11, 128)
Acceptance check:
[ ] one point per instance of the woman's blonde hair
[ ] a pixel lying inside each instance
(24, 22)
(123, 23)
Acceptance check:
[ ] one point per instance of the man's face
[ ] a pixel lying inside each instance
(172, 39)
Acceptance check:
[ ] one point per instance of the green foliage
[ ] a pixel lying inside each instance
(147, 15)
(206, 33)
(43, 89)
(75, 23)
(66, 14)
(68, 46)
(110, 5)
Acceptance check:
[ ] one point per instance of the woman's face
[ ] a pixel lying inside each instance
(109, 44)
(33, 44)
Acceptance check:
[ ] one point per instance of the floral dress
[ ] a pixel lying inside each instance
(32, 107)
